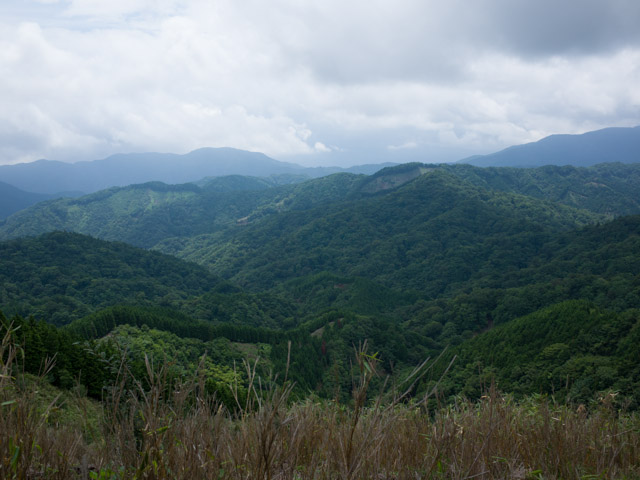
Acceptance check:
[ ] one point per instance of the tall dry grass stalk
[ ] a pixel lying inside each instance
(154, 430)
(32, 443)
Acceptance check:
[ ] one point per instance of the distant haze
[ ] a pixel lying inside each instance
(621, 144)
(51, 177)
(316, 83)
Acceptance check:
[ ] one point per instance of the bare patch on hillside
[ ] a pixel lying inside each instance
(392, 180)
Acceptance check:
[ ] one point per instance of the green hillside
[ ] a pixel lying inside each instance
(64, 276)
(147, 214)
(61, 276)
(572, 350)
(429, 235)
(414, 259)
(608, 188)
(231, 183)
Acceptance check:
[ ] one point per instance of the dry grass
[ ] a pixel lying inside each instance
(156, 432)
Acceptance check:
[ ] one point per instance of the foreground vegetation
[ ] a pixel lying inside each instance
(155, 428)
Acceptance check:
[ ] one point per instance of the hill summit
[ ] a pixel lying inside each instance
(600, 146)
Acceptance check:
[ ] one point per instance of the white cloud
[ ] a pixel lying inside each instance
(321, 147)
(404, 146)
(288, 78)
(101, 10)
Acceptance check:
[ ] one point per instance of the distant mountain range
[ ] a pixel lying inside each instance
(47, 176)
(146, 214)
(25, 184)
(600, 146)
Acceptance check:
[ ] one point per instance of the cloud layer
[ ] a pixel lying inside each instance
(319, 83)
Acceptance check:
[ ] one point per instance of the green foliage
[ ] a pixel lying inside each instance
(146, 214)
(608, 188)
(413, 259)
(326, 291)
(185, 358)
(229, 305)
(572, 350)
(103, 322)
(305, 367)
(153, 213)
(232, 183)
(429, 235)
(74, 362)
(64, 276)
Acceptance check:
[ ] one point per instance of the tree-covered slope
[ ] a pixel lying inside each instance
(572, 349)
(62, 276)
(114, 214)
(428, 234)
(68, 275)
(232, 183)
(599, 264)
(145, 214)
(611, 189)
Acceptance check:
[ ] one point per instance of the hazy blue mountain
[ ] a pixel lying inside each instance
(600, 146)
(13, 199)
(45, 176)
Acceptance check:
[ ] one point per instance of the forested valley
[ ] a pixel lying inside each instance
(423, 300)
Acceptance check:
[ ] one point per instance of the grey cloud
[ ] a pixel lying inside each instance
(548, 27)
(14, 143)
(433, 41)
(286, 76)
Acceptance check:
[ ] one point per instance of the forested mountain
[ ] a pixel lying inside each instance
(146, 214)
(428, 235)
(135, 214)
(231, 183)
(571, 350)
(63, 276)
(610, 189)
(600, 146)
(414, 259)
(45, 176)
(597, 263)
(597, 266)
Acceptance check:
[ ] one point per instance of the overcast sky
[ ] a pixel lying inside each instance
(325, 82)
